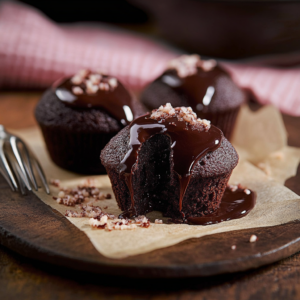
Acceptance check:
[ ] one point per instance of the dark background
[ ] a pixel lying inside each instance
(111, 11)
(230, 29)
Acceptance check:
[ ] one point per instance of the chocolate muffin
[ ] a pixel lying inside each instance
(79, 115)
(169, 161)
(201, 84)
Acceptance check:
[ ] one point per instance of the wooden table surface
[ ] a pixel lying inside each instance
(22, 278)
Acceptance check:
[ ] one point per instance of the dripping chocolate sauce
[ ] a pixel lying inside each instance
(117, 102)
(200, 88)
(188, 146)
(234, 205)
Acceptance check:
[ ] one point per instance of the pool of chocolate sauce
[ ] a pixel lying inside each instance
(234, 205)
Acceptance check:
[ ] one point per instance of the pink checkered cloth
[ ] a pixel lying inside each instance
(34, 52)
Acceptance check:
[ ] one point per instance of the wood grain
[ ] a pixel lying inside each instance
(24, 278)
(35, 230)
(16, 109)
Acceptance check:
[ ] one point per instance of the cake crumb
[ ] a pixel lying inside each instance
(55, 182)
(61, 194)
(233, 247)
(278, 155)
(142, 221)
(109, 224)
(88, 210)
(157, 221)
(186, 114)
(253, 238)
(80, 194)
(102, 220)
(98, 222)
(99, 219)
(265, 168)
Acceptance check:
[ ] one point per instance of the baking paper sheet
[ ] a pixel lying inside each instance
(265, 163)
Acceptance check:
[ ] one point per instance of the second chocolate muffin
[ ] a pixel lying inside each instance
(201, 84)
(169, 161)
(79, 115)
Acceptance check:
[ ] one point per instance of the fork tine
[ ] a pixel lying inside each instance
(14, 146)
(6, 177)
(29, 170)
(18, 173)
(41, 174)
(9, 174)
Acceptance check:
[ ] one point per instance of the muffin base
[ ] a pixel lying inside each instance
(76, 151)
(156, 186)
(223, 120)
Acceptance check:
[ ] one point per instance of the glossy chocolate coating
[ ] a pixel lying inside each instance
(188, 146)
(234, 205)
(205, 91)
(117, 102)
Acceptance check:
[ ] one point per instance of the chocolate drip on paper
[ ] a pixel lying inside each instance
(234, 205)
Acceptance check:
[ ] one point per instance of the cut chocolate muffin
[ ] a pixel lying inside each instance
(169, 161)
(201, 84)
(79, 115)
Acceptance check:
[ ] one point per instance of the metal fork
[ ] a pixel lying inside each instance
(17, 164)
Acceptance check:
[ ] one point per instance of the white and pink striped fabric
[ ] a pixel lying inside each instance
(34, 52)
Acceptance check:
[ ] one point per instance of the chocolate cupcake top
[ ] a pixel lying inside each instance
(191, 139)
(191, 81)
(87, 102)
(220, 161)
(88, 89)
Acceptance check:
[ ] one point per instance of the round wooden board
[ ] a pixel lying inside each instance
(35, 230)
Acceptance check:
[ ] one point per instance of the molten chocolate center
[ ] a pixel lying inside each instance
(188, 146)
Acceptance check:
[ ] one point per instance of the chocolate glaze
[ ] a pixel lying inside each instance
(200, 88)
(188, 146)
(234, 205)
(117, 102)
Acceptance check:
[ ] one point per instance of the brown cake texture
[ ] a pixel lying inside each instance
(155, 183)
(202, 84)
(76, 134)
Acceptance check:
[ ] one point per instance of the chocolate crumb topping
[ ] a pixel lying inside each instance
(88, 89)
(186, 114)
(253, 238)
(186, 65)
